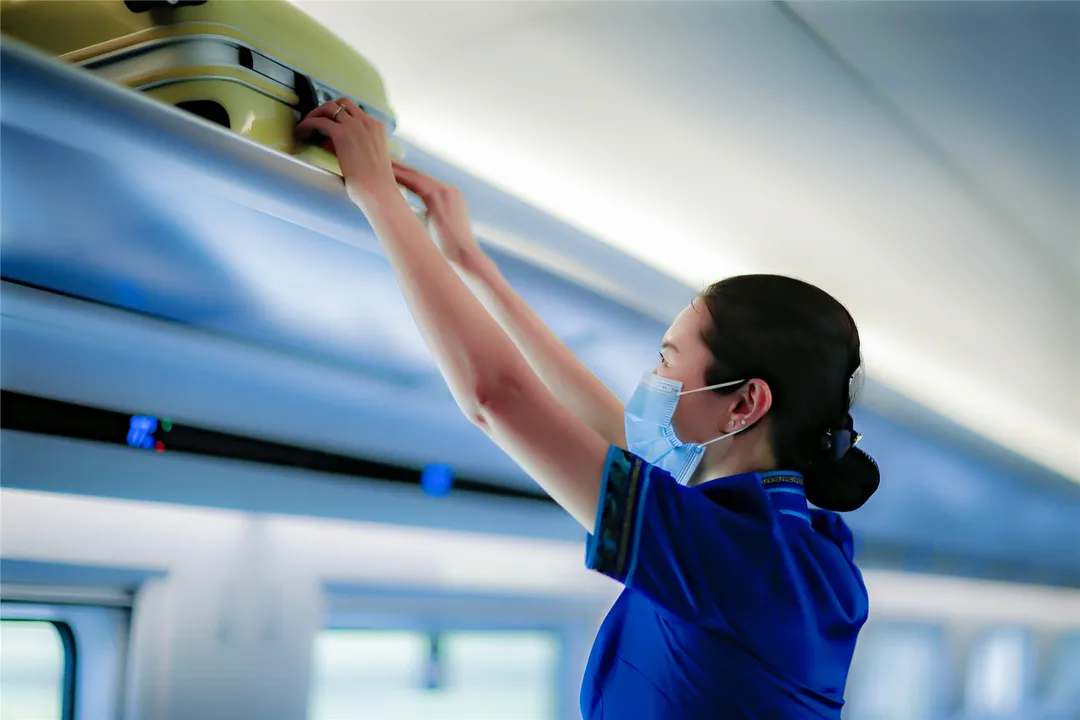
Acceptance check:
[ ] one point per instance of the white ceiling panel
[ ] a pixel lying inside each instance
(916, 160)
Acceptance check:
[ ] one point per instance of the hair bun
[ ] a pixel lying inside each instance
(845, 484)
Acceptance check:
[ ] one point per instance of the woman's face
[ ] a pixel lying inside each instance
(702, 416)
(684, 356)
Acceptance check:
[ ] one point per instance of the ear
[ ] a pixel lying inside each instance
(759, 396)
(751, 402)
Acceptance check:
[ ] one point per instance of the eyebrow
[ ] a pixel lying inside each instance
(669, 344)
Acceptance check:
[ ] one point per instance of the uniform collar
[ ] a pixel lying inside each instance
(785, 489)
(787, 492)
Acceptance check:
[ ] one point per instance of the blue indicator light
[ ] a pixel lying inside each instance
(436, 479)
(140, 433)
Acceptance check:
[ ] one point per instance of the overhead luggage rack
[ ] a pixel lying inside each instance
(138, 139)
(256, 67)
(113, 197)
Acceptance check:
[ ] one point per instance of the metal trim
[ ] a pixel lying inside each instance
(65, 595)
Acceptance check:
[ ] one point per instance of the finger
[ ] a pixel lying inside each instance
(424, 187)
(324, 110)
(407, 172)
(414, 177)
(327, 109)
(413, 185)
(360, 113)
(419, 176)
(310, 124)
(353, 111)
(351, 107)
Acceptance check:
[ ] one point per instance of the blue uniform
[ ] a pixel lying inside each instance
(739, 600)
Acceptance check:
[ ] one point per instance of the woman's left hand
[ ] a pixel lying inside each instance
(359, 141)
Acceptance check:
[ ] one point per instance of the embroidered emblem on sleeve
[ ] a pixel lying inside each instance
(608, 548)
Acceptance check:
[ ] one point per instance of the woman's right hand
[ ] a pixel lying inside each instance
(582, 392)
(446, 212)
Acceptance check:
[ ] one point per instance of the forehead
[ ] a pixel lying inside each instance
(687, 324)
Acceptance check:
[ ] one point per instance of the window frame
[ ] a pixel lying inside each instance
(425, 632)
(573, 622)
(69, 647)
(87, 691)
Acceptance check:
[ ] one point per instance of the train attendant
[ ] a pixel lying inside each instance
(741, 600)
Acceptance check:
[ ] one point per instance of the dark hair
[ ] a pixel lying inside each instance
(804, 344)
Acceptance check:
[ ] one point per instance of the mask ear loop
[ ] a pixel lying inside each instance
(710, 387)
(733, 432)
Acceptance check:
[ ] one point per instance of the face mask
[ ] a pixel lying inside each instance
(649, 433)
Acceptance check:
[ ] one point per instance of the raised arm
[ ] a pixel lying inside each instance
(561, 371)
(487, 375)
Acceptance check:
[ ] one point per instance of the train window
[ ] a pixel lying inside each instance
(390, 674)
(37, 657)
(899, 666)
(1062, 695)
(87, 664)
(998, 673)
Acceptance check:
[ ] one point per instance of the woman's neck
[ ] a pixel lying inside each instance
(760, 459)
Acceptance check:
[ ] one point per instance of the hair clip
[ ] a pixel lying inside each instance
(839, 441)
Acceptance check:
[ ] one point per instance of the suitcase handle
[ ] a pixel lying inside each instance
(307, 96)
(304, 87)
(138, 6)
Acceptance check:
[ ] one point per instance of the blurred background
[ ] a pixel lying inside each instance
(235, 483)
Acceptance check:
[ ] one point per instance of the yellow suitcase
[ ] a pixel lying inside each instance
(254, 66)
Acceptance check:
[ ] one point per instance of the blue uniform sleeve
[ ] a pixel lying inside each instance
(711, 559)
